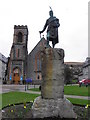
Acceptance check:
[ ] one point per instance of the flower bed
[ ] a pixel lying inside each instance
(24, 111)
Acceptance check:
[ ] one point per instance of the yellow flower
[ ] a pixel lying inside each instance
(11, 110)
(86, 106)
(24, 107)
(31, 101)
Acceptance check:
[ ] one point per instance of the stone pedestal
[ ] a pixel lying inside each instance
(52, 103)
(52, 73)
(52, 108)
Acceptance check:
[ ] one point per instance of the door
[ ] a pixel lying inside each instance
(16, 78)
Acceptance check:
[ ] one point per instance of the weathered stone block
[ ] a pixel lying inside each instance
(52, 108)
(52, 73)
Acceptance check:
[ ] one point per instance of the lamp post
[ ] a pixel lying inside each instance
(25, 86)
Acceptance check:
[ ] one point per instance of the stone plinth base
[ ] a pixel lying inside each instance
(52, 108)
(52, 60)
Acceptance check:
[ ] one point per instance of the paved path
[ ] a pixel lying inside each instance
(78, 97)
(67, 96)
(8, 88)
(21, 88)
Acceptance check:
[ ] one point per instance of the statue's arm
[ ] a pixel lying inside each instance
(43, 28)
(58, 24)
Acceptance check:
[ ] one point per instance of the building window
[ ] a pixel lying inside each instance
(37, 62)
(38, 77)
(38, 65)
(20, 36)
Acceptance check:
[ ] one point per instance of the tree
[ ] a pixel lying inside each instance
(68, 75)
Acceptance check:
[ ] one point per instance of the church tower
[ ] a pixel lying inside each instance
(18, 55)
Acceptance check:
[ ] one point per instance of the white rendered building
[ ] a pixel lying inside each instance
(86, 70)
(3, 62)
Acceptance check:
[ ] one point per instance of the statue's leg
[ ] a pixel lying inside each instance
(53, 43)
(47, 42)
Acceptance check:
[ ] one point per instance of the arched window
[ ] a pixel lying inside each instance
(37, 62)
(20, 36)
(38, 77)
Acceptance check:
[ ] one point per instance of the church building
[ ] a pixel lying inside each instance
(22, 65)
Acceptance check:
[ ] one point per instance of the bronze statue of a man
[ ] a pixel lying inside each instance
(52, 31)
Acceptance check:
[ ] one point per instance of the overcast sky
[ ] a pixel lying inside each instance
(73, 30)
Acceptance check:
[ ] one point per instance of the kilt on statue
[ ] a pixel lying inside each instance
(52, 31)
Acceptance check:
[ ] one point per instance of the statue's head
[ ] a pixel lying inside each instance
(51, 12)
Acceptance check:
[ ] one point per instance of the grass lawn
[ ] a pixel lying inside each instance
(79, 101)
(17, 97)
(0, 101)
(22, 97)
(76, 90)
(35, 89)
(72, 90)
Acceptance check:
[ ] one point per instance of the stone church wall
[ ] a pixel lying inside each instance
(33, 72)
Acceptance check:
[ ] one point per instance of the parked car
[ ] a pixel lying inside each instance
(85, 82)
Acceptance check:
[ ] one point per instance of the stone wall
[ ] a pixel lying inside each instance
(33, 56)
